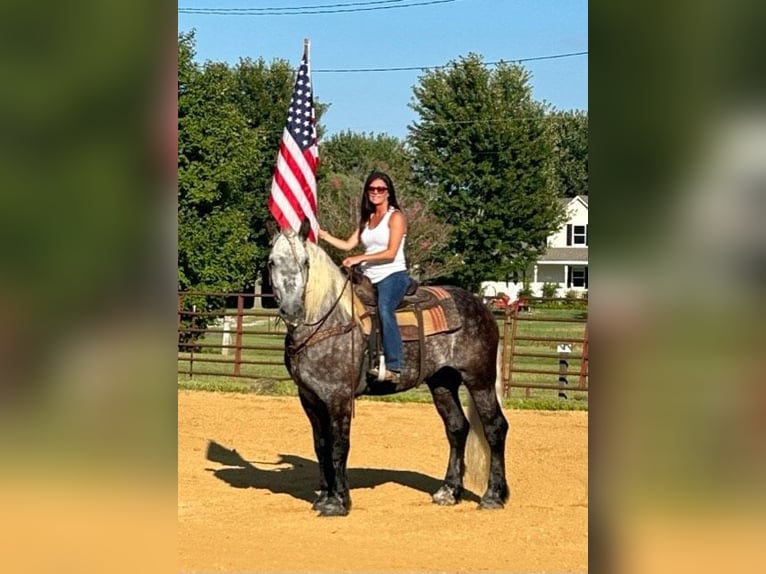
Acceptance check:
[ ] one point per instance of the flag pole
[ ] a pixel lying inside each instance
(307, 57)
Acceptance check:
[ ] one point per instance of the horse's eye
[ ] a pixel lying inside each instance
(270, 263)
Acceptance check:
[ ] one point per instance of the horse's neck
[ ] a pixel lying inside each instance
(329, 292)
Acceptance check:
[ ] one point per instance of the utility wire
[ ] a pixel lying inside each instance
(410, 68)
(269, 12)
(276, 132)
(291, 8)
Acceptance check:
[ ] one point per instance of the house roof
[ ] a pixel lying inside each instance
(565, 254)
(567, 201)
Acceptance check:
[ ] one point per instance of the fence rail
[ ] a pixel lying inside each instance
(543, 345)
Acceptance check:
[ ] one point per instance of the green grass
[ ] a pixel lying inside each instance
(418, 395)
(236, 385)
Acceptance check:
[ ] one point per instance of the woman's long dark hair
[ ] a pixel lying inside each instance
(367, 208)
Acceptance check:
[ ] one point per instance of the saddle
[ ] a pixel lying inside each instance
(424, 311)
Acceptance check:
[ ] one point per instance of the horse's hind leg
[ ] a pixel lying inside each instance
(444, 392)
(495, 430)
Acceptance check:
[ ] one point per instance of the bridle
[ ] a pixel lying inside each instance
(320, 334)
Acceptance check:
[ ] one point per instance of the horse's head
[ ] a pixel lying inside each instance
(289, 270)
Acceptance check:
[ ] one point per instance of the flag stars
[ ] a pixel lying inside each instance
(300, 116)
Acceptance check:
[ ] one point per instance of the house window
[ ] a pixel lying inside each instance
(580, 235)
(578, 277)
(577, 234)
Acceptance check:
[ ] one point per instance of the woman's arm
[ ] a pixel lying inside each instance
(397, 226)
(344, 245)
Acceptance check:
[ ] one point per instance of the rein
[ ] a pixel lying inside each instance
(320, 334)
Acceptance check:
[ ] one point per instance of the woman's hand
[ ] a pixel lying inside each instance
(353, 260)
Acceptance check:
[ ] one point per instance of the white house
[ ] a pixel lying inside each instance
(564, 263)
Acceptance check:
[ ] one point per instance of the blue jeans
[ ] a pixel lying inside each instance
(390, 293)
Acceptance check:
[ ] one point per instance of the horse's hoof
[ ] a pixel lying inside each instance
(320, 501)
(445, 497)
(333, 510)
(332, 506)
(491, 503)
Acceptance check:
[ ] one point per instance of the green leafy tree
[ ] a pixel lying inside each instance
(214, 248)
(346, 160)
(569, 132)
(481, 149)
(230, 122)
(215, 157)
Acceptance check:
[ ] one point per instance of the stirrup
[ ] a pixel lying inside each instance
(380, 370)
(392, 377)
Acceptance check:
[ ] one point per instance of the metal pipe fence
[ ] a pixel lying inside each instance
(549, 341)
(543, 344)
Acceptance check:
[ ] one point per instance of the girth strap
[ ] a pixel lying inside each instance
(421, 342)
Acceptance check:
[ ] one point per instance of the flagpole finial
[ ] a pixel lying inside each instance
(306, 47)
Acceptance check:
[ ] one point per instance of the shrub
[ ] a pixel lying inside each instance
(525, 291)
(550, 289)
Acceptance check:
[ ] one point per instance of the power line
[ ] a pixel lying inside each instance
(291, 8)
(276, 132)
(307, 10)
(410, 68)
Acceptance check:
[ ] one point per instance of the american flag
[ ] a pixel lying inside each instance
(293, 195)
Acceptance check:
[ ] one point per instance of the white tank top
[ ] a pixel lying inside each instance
(375, 241)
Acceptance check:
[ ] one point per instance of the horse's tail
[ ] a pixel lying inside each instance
(476, 447)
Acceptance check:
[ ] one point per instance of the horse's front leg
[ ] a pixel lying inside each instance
(317, 415)
(338, 501)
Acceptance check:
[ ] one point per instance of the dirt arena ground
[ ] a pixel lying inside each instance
(246, 473)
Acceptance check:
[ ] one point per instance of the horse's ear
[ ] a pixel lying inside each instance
(272, 229)
(305, 228)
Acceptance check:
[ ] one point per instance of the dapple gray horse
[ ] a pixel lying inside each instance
(326, 356)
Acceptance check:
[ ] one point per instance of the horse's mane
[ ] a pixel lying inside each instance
(325, 284)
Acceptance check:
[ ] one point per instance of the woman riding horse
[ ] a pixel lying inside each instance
(326, 356)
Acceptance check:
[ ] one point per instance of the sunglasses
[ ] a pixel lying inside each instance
(377, 189)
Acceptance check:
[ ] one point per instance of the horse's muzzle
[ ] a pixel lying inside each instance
(292, 317)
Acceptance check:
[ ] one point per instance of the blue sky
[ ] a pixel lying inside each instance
(417, 36)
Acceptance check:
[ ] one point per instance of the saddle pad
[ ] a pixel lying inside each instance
(440, 315)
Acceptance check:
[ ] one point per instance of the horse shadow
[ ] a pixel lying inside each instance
(298, 476)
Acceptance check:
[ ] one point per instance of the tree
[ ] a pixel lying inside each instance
(481, 149)
(215, 153)
(230, 122)
(346, 160)
(569, 131)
